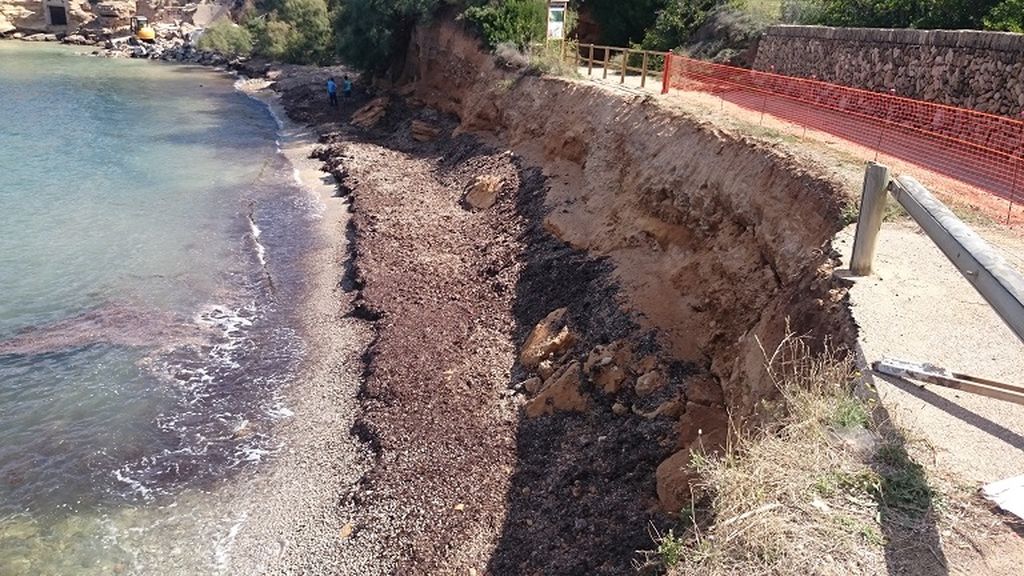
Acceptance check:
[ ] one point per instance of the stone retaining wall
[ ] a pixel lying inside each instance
(971, 69)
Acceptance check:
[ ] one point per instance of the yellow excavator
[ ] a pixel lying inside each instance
(142, 30)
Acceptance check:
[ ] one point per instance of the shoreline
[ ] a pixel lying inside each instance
(290, 507)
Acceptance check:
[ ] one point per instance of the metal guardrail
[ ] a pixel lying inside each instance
(991, 275)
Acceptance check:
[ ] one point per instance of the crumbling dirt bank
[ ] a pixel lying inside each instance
(715, 240)
(560, 322)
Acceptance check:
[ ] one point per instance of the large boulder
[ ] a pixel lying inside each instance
(650, 383)
(483, 192)
(424, 132)
(561, 393)
(676, 480)
(5, 26)
(368, 116)
(704, 428)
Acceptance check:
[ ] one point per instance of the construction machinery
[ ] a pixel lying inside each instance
(142, 30)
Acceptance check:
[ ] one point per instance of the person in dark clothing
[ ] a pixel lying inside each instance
(346, 87)
(332, 91)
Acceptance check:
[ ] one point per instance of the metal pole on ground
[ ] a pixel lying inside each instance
(869, 223)
(983, 266)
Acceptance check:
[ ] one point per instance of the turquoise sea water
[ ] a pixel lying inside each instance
(150, 236)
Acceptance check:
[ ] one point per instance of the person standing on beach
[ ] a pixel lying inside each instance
(332, 91)
(346, 87)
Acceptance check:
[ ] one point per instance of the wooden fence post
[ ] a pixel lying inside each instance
(590, 62)
(643, 74)
(666, 75)
(869, 223)
(607, 57)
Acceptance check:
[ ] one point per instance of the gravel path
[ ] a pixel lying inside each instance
(917, 307)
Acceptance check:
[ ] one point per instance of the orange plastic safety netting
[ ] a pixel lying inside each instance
(982, 150)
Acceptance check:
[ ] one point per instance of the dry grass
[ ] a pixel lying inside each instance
(823, 490)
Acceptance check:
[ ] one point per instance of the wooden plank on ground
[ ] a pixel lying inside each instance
(932, 374)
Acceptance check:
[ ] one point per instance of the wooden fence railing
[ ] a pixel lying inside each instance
(622, 61)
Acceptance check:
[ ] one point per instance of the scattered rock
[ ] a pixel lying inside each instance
(857, 439)
(560, 394)
(620, 409)
(532, 385)
(550, 337)
(546, 368)
(368, 116)
(606, 366)
(672, 409)
(76, 39)
(646, 364)
(346, 531)
(650, 383)
(610, 378)
(483, 193)
(424, 132)
(460, 507)
(675, 482)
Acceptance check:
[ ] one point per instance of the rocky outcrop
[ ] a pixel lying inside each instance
(100, 20)
(966, 68)
(38, 16)
(371, 113)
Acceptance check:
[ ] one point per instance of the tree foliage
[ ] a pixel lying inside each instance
(297, 31)
(677, 22)
(624, 22)
(227, 38)
(372, 34)
(1007, 16)
(518, 22)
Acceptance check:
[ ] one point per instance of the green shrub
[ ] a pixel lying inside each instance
(297, 31)
(1007, 16)
(676, 23)
(225, 37)
(519, 22)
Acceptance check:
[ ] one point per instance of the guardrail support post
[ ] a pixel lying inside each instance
(607, 57)
(869, 223)
(625, 66)
(666, 75)
(590, 62)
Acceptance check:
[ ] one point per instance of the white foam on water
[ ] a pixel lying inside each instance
(221, 550)
(136, 486)
(286, 131)
(279, 412)
(255, 232)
